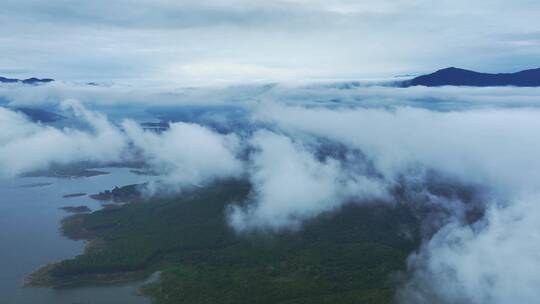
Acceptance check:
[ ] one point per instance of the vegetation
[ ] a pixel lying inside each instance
(349, 256)
(125, 194)
(76, 209)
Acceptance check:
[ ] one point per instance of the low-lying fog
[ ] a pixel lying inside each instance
(310, 148)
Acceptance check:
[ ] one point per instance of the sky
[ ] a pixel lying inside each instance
(209, 41)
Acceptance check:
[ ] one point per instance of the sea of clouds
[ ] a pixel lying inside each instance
(311, 148)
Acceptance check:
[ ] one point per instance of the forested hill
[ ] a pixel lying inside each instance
(347, 256)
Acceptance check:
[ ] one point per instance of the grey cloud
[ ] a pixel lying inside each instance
(244, 40)
(149, 14)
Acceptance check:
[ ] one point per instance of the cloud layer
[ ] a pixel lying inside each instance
(493, 261)
(292, 185)
(480, 146)
(311, 148)
(187, 154)
(214, 41)
(484, 261)
(27, 146)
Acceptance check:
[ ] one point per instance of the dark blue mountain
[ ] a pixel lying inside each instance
(460, 77)
(8, 80)
(32, 81)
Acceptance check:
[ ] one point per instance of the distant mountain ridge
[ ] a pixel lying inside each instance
(461, 77)
(33, 80)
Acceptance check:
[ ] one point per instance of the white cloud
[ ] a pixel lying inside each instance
(498, 148)
(485, 137)
(187, 154)
(291, 185)
(494, 261)
(27, 146)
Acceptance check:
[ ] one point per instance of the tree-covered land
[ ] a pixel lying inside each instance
(348, 256)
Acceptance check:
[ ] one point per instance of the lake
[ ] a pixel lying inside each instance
(30, 218)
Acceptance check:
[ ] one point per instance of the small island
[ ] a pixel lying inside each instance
(125, 194)
(36, 185)
(76, 209)
(65, 172)
(73, 195)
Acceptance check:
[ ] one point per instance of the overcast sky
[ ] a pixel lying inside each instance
(247, 40)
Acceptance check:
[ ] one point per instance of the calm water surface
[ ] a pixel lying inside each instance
(29, 237)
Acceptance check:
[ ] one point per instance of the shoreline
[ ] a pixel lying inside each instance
(72, 228)
(42, 278)
(45, 245)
